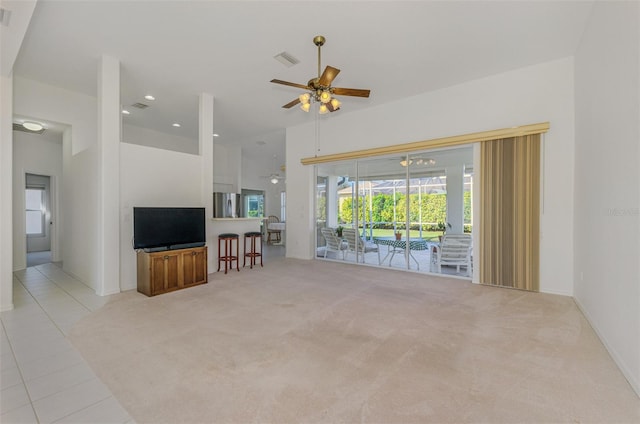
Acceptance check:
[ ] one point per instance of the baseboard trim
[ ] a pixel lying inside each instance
(635, 384)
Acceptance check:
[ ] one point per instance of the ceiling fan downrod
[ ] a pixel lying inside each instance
(319, 40)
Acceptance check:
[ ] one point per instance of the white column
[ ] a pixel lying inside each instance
(6, 197)
(205, 141)
(109, 142)
(455, 198)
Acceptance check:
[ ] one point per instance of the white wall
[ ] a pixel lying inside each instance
(227, 168)
(255, 172)
(38, 100)
(153, 177)
(80, 169)
(80, 212)
(538, 93)
(607, 193)
(35, 154)
(10, 42)
(6, 190)
(145, 137)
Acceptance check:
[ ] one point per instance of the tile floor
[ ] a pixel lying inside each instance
(43, 378)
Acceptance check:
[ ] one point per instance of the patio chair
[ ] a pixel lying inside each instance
(454, 250)
(356, 245)
(333, 242)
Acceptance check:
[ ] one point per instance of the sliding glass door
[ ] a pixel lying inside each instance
(397, 206)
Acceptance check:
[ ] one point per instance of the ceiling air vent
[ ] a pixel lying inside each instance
(19, 127)
(140, 105)
(286, 59)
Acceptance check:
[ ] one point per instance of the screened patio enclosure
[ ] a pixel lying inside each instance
(399, 206)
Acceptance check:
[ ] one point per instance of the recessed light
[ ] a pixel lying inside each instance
(125, 112)
(176, 125)
(32, 126)
(216, 135)
(149, 97)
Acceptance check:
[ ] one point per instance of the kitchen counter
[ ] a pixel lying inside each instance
(237, 219)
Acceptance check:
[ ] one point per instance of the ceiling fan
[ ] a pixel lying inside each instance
(274, 178)
(320, 89)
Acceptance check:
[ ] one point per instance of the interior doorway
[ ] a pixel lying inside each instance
(38, 218)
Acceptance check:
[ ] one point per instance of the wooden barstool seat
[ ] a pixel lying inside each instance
(252, 253)
(227, 256)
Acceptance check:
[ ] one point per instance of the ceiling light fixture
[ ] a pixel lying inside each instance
(216, 135)
(176, 125)
(274, 179)
(32, 126)
(125, 112)
(149, 97)
(418, 161)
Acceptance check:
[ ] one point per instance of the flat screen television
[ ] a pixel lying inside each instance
(166, 228)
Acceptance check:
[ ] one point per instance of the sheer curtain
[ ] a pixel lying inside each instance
(509, 240)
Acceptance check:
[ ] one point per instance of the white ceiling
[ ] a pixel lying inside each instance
(178, 49)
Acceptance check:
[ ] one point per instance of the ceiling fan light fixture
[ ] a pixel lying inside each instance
(335, 103)
(325, 96)
(305, 106)
(406, 163)
(304, 98)
(323, 109)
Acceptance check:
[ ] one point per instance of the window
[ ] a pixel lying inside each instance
(254, 205)
(34, 199)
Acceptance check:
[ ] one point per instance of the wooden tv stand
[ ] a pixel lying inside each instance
(169, 270)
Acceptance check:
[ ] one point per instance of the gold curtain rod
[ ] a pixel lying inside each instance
(431, 144)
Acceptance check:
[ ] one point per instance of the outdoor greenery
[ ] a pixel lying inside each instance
(432, 206)
(321, 208)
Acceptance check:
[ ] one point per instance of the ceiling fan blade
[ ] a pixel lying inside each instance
(291, 84)
(328, 75)
(291, 104)
(356, 92)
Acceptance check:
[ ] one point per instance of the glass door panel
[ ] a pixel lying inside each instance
(383, 210)
(335, 208)
(440, 192)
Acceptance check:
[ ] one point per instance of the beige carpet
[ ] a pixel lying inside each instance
(310, 341)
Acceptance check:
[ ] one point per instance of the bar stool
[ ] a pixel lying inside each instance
(228, 257)
(253, 253)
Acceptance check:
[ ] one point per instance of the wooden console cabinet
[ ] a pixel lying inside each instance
(169, 270)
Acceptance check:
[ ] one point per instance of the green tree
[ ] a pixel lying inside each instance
(467, 207)
(345, 210)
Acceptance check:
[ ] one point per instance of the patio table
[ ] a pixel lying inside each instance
(395, 246)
